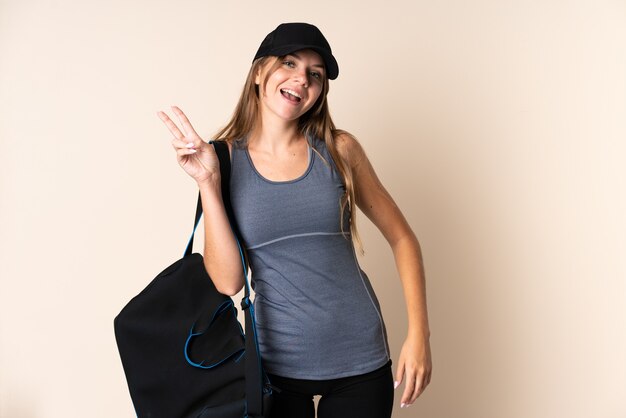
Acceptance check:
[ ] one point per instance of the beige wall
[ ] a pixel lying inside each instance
(498, 127)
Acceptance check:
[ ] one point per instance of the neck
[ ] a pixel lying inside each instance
(274, 135)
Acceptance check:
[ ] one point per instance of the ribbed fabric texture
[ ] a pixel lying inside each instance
(317, 315)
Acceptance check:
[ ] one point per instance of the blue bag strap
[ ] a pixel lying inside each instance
(254, 370)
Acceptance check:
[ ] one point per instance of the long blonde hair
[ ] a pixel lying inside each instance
(316, 122)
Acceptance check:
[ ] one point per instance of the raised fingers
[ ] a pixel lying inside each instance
(170, 125)
(189, 131)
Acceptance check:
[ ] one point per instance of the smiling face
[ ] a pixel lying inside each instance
(294, 87)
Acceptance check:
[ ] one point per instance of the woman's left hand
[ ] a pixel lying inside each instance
(414, 364)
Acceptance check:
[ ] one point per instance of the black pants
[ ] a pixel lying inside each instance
(368, 395)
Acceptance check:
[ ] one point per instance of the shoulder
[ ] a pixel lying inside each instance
(349, 148)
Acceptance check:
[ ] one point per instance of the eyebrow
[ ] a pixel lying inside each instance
(300, 58)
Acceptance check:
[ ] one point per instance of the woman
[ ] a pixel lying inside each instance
(295, 182)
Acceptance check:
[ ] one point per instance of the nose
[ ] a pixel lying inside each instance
(302, 77)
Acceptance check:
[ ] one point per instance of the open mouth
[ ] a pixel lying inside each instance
(290, 95)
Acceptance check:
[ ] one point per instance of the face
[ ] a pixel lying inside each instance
(295, 85)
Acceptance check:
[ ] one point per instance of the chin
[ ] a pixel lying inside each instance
(288, 113)
(291, 116)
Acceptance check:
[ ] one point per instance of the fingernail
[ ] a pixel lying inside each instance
(189, 145)
(395, 384)
(402, 405)
(193, 151)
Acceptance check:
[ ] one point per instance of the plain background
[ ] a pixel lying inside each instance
(498, 127)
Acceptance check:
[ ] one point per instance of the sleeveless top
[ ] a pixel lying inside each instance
(317, 315)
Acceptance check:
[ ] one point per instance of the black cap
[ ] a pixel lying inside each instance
(291, 37)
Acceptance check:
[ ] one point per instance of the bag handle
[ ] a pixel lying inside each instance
(254, 369)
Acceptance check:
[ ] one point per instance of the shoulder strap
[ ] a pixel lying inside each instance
(254, 369)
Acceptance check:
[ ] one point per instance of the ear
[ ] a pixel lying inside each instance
(257, 76)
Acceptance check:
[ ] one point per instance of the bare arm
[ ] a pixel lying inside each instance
(222, 258)
(377, 204)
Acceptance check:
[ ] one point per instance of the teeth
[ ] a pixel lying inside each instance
(293, 93)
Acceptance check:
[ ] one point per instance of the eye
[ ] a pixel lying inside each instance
(292, 64)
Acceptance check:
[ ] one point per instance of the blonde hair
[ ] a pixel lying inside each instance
(316, 122)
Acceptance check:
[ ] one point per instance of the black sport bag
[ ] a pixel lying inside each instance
(182, 348)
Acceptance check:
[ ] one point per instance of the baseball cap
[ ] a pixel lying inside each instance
(291, 37)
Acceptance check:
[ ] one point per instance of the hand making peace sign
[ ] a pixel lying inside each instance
(196, 157)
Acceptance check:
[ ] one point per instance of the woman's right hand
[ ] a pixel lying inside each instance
(196, 157)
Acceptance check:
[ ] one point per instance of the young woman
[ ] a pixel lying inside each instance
(295, 182)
